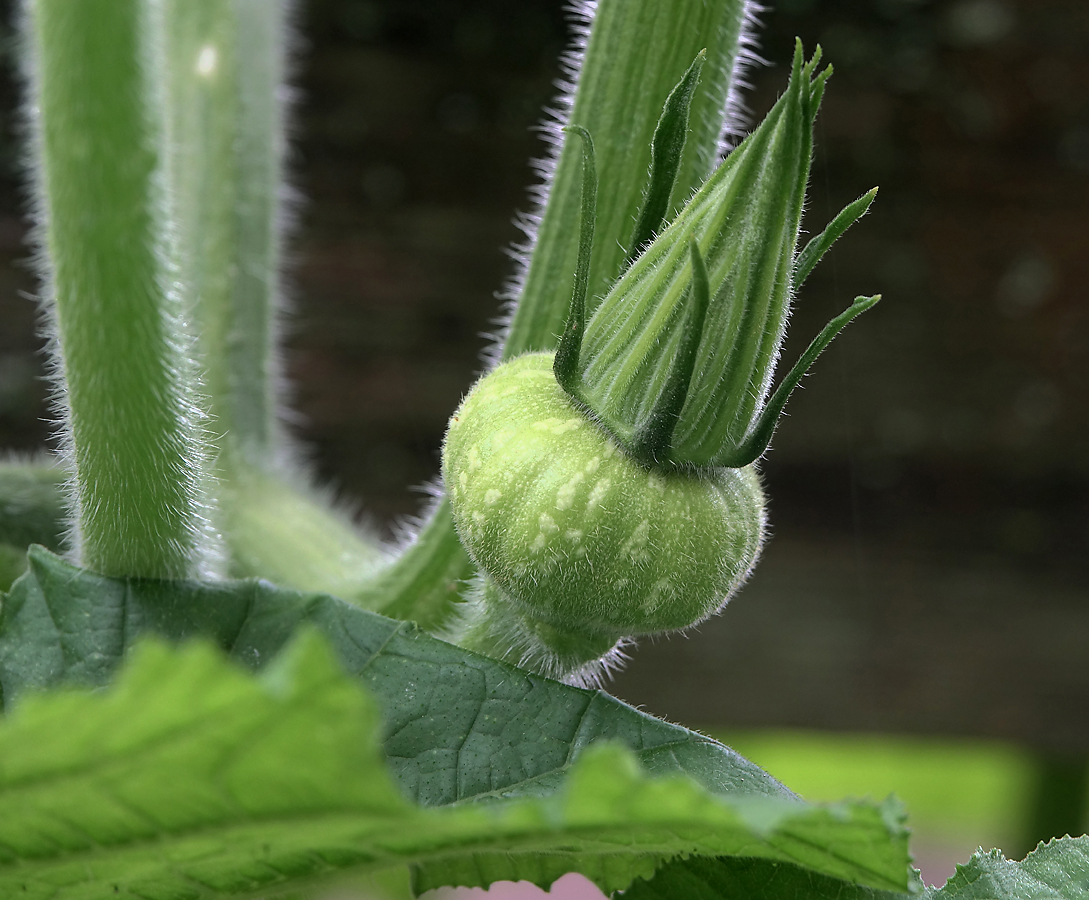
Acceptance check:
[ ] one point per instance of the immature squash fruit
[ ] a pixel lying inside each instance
(608, 490)
(575, 533)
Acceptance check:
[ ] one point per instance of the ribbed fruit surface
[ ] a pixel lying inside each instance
(577, 533)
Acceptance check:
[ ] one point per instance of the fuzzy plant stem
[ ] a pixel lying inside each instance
(635, 53)
(133, 425)
(628, 56)
(225, 63)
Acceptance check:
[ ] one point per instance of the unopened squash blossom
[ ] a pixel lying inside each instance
(608, 490)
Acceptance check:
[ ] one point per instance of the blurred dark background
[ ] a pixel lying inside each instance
(929, 487)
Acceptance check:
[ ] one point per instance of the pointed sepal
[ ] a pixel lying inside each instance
(745, 221)
(566, 366)
(666, 149)
(653, 438)
(818, 246)
(757, 442)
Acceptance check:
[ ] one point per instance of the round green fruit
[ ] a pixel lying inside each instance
(577, 536)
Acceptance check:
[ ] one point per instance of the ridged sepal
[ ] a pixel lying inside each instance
(745, 224)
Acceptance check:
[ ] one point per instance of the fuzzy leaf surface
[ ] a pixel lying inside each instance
(504, 754)
(1058, 870)
(703, 878)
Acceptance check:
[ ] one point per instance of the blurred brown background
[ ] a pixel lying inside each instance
(929, 487)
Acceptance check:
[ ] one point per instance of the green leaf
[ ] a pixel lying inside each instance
(1058, 870)
(849, 841)
(191, 778)
(506, 754)
(703, 878)
(458, 725)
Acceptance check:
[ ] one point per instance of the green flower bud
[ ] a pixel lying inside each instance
(578, 539)
(607, 490)
(744, 223)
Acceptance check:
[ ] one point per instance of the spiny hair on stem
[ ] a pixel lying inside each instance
(734, 123)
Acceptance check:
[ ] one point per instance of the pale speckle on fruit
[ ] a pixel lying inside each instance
(463, 479)
(491, 497)
(479, 518)
(574, 535)
(565, 496)
(538, 543)
(597, 494)
(657, 482)
(547, 524)
(545, 374)
(557, 426)
(659, 590)
(474, 457)
(593, 465)
(635, 546)
(621, 583)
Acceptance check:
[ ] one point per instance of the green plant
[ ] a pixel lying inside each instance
(360, 747)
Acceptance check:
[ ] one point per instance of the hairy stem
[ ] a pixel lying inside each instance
(134, 426)
(224, 66)
(225, 63)
(636, 53)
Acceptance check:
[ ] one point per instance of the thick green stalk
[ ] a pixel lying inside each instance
(225, 67)
(635, 53)
(134, 427)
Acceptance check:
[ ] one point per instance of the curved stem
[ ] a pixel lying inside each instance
(424, 583)
(224, 64)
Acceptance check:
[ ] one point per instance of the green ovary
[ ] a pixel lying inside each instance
(575, 534)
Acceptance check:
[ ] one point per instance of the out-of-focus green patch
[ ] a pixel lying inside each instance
(967, 789)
